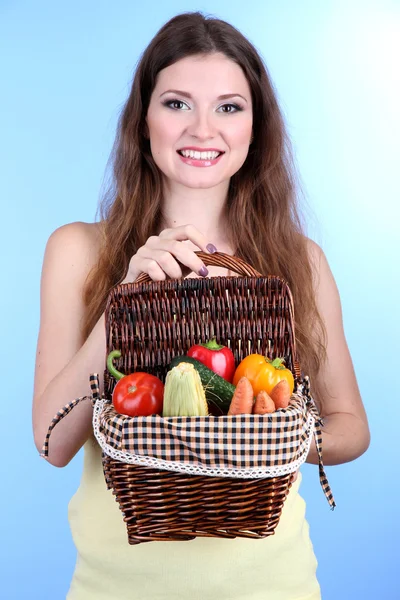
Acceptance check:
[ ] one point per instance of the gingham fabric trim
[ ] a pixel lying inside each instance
(230, 443)
(174, 440)
(245, 446)
(63, 412)
(319, 422)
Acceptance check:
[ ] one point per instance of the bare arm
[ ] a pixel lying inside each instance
(63, 361)
(345, 435)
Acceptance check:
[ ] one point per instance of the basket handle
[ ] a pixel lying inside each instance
(218, 259)
(238, 265)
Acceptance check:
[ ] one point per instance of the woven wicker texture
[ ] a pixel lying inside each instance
(152, 322)
(161, 505)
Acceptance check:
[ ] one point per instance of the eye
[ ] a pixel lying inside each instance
(180, 105)
(175, 104)
(236, 108)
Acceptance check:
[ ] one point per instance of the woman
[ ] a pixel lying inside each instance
(201, 162)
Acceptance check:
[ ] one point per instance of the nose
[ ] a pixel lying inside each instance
(202, 126)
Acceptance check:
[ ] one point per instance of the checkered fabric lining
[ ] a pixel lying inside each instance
(245, 446)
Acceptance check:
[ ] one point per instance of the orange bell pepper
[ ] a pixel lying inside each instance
(263, 373)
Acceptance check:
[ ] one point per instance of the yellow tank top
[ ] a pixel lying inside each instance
(279, 567)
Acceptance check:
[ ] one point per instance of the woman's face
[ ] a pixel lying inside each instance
(188, 114)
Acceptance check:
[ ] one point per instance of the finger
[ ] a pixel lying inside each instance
(153, 269)
(186, 257)
(165, 249)
(168, 264)
(191, 233)
(185, 270)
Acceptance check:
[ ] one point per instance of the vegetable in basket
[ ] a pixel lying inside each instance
(243, 402)
(138, 394)
(218, 358)
(264, 374)
(183, 393)
(218, 391)
(243, 398)
(263, 404)
(281, 394)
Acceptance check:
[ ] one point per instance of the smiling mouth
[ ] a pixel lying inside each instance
(212, 155)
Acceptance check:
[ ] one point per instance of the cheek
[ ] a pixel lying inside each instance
(161, 130)
(240, 139)
(239, 135)
(243, 132)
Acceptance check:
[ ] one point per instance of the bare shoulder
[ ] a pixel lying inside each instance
(323, 280)
(78, 241)
(72, 251)
(316, 256)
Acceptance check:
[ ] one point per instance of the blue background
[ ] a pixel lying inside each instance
(65, 71)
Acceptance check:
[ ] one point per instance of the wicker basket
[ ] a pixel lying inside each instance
(152, 322)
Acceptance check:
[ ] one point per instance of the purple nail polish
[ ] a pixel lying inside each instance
(211, 248)
(203, 271)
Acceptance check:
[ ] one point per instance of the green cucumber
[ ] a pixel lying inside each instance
(217, 389)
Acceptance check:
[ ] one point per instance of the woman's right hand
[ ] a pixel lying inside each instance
(167, 255)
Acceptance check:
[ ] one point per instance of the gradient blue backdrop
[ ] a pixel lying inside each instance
(66, 68)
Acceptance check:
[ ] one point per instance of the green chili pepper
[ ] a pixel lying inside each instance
(110, 365)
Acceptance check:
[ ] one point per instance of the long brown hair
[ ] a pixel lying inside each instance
(262, 212)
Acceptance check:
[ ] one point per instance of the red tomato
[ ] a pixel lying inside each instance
(218, 358)
(138, 395)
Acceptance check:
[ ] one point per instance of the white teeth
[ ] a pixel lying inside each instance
(199, 155)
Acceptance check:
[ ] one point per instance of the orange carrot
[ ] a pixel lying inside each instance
(281, 394)
(264, 404)
(242, 399)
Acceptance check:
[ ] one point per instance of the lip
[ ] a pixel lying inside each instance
(197, 149)
(196, 162)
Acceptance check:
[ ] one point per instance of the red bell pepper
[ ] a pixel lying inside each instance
(218, 358)
(138, 394)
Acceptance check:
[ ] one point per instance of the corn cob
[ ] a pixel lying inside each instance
(183, 393)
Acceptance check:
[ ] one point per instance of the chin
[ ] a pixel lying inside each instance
(202, 185)
(197, 182)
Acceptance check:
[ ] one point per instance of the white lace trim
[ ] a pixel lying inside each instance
(178, 467)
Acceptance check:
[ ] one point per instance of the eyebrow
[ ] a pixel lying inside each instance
(187, 95)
